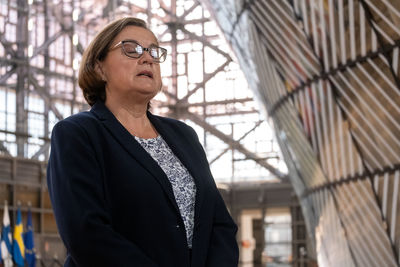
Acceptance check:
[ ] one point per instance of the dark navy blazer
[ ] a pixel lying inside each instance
(114, 206)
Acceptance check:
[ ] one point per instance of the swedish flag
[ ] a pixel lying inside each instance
(18, 242)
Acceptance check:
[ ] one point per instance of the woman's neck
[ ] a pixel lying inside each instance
(133, 116)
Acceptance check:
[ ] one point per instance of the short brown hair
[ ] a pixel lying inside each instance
(92, 85)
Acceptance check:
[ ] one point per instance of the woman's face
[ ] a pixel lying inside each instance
(139, 78)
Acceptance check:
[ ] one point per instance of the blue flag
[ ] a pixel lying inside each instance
(5, 244)
(18, 242)
(1, 260)
(29, 242)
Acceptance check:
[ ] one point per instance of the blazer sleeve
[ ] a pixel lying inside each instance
(223, 249)
(76, 190)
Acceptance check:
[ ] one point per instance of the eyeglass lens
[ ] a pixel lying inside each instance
(135, 50)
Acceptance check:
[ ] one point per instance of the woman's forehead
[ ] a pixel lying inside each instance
(143, 36)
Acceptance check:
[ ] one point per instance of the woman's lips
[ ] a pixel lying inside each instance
(146, 73)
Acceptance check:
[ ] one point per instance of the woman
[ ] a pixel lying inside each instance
(130, 188)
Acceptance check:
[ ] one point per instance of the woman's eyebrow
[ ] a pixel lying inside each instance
(133, 40)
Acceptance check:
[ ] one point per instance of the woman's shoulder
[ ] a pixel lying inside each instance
(82, 121)
(81, 117)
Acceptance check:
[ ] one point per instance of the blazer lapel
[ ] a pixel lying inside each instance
(182, 148)
(129, 143)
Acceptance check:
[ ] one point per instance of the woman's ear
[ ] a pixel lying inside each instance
(99, 71)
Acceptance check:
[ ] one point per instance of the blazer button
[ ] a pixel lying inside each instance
(177, 226)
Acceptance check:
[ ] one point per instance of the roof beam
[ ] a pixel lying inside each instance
(45, 95)
(43, 149)
(240, 139)
(4, 149)
(234, 144)
(207, 77)
(7, 75)
(7, 45)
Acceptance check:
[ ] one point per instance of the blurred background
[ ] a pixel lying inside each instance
(296, 103)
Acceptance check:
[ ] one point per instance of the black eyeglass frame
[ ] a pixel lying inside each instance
(161, 59)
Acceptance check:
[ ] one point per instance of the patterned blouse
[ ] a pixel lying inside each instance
(182, 182)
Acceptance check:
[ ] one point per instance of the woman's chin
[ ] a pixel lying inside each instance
(146, 92)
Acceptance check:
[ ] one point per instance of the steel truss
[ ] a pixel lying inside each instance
(41, 46)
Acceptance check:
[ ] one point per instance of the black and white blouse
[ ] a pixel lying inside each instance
(182, 182)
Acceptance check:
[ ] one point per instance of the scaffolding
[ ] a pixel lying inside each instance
(41, 44)
(41, 47)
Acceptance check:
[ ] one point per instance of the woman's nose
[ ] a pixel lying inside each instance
(146, 58)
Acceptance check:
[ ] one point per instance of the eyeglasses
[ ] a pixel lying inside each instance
(134, 50)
